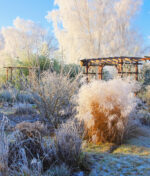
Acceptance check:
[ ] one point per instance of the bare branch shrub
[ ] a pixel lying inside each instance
(52, 95)
(105, 108)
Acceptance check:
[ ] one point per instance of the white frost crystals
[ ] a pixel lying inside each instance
(92, 25)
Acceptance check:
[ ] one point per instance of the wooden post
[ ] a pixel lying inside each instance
(136, 71)
(130, 69)
(120, 69)
(11, 70)
(29, 72)
(100, 72)
(87, 71)
(7, 74)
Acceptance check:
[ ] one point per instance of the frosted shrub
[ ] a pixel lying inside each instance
(105, 108)
(12, 95)
(52, 95)
(3, 148)
(24, 96)
(27, 150)
(24, 109)
(68, 146)
(36, 126)
(8, 95)
(146, 74)
(28, 140)
(148, 95)
(30, 152)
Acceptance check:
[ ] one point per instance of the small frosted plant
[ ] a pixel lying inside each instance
(105, 108)
(61, 170)
(68, 145)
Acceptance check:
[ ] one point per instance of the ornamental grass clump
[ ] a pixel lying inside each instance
(105, 108)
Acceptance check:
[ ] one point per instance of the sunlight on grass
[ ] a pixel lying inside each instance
(132, 150)
(100, 148)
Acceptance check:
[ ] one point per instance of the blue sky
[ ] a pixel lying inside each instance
(142, 21)
(36, 10)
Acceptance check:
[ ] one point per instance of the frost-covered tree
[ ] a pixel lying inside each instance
(23, 41)
(95, 28)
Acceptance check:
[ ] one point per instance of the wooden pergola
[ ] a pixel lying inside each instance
(118, 62)
(9, 71)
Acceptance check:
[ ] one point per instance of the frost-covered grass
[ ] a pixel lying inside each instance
(123, 165)
(13, 95)
(61, 170)
(132, 158)
(24, 109)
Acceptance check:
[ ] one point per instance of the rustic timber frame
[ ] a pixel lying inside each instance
(9, 71)
(118, 62)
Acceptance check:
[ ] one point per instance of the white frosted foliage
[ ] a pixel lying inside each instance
(95, 28)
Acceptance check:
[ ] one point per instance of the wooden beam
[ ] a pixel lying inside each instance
(117, 58)
(118, 62)
(22, 67)
(128, 72)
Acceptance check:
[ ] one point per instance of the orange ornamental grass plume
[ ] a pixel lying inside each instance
(105, 108)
